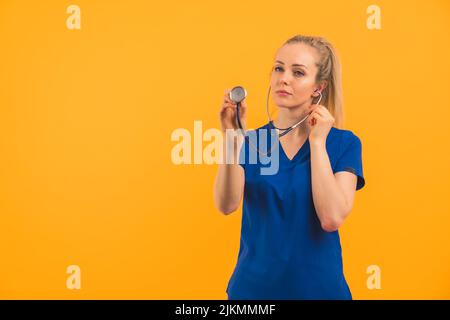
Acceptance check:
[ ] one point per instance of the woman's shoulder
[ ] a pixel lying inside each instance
(343, 137)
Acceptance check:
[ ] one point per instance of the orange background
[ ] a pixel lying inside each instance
(86, 176)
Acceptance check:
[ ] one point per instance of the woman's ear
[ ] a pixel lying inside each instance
(320, 88)
(323, 85)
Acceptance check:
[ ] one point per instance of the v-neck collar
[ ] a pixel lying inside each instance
(297, 154)
(280, 150)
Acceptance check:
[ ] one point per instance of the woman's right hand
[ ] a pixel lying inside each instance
(228, 112)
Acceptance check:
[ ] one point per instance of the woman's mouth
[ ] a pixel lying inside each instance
(283, 93)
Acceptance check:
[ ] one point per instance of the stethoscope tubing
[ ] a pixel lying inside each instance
(285, 130)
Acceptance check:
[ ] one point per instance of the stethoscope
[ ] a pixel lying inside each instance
(238, 94)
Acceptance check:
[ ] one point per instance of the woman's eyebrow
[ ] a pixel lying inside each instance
(294, 65)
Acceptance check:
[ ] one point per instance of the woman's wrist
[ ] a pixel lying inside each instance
(317, 143)
(232, 142)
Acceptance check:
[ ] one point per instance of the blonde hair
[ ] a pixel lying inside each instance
(329, 69)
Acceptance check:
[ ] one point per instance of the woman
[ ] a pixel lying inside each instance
(290, 246)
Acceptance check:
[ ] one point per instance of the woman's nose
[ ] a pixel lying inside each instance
(284, 78)
(283, 82)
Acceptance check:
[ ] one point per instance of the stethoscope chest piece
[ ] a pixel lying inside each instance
(237, 94)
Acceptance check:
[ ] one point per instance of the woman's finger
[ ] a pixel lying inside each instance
(313, 107)
(227, 105)
(230, 104)
(232, 108)
(243, 105)
(243, 109)
(316, 115)
(227, 100)
(320, 112)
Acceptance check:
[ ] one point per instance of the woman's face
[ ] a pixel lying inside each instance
(294, 71)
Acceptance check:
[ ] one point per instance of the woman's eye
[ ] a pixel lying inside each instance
(296, 72)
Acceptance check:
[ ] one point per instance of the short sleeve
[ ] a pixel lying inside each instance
(351, 159)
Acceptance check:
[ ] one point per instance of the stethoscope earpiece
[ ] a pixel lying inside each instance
(320, 94)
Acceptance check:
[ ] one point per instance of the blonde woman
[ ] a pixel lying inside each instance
(290, 246)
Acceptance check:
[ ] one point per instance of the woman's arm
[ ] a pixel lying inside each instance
(332, 194)
(230, 179)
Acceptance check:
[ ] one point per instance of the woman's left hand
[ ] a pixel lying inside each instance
(320, 122)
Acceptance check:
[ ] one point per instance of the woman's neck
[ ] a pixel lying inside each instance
(289, 116)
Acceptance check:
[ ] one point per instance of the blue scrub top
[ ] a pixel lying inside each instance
(284, 252)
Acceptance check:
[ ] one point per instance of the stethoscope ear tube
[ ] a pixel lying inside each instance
(288, 129)
(238, 94)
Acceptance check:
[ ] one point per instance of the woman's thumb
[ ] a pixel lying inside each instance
(244, 103)
(244, 107)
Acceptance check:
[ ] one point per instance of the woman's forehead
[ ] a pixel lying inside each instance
(297, 54)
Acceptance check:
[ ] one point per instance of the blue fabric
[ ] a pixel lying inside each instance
(284, 252)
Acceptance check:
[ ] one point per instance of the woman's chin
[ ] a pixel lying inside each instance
(285, 105)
